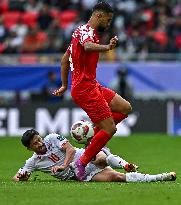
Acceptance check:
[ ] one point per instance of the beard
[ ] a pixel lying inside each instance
(101, 29)
(42, 149)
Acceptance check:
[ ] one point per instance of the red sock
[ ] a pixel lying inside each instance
(97, 143)
(117, 116)
(96, 130)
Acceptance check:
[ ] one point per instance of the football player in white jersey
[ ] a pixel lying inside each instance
(54, 155)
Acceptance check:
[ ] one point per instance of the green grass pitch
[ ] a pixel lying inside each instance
(153, 153)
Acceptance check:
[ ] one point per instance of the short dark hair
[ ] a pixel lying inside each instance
(103, 6)
(28, 136)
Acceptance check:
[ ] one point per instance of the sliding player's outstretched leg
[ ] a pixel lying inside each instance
(110, 175)
(139, 177)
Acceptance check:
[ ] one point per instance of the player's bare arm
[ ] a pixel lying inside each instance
(70, 152)
(21, 177)
(90, 46)
(65, 66)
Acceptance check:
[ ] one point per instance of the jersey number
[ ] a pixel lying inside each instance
(70, 59)
(54, 158)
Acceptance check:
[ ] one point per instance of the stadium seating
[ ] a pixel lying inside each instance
(30, 18)
(54, 13)
(3, 6)
(67, 17)
(11, 18)
(149, 28)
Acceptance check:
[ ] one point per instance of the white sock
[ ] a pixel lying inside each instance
(115, 161)
(138, 177)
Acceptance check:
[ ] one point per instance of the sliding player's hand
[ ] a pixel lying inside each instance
(57, 169)
(24, 177)
(60, 91)
(113, 42)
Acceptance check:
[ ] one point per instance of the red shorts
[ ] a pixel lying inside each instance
(95, 102)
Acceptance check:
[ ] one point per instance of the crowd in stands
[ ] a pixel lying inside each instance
(45, 26)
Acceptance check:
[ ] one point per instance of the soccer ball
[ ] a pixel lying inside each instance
(81, 131)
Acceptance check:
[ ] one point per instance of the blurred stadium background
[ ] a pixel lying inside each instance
(145, 68)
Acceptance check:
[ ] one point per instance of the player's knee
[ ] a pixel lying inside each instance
(118, 177)
(128, 107)
(100, 159)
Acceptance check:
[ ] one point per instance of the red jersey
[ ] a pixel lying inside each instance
(83, 63)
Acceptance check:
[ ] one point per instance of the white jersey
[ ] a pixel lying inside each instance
(55, 156)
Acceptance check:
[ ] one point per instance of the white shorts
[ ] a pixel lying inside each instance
(91, 171)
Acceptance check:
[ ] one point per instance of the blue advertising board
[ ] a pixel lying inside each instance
(145, 77)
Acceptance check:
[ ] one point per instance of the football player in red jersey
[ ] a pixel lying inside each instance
(104, 107)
